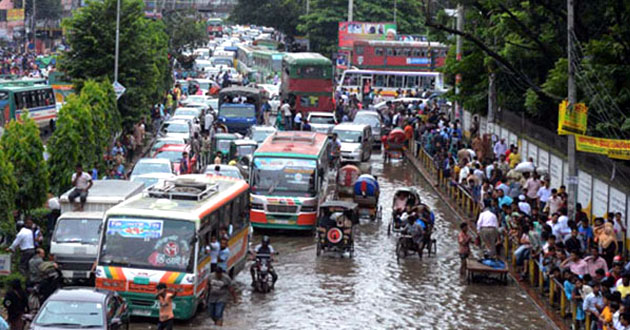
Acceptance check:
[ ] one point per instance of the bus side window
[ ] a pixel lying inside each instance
(237, 222)
(411, 81)
(406, 52)
(415, 52)
(360, 50)
(32, 99)
(379, 80)
(389, 52)
(390, 81)
(378, 51)
(226, 214)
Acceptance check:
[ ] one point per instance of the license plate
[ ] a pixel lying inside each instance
(79, 275)
(281, 222)
(141, 312)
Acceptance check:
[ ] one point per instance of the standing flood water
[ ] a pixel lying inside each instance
(373, 291)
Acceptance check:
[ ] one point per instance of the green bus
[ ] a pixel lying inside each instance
(17, 96)
(268, 63)
(245, 63)
(307, 81)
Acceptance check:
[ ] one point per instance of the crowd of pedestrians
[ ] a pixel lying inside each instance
(518, 202)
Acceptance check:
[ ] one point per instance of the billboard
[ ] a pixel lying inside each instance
(350, 31)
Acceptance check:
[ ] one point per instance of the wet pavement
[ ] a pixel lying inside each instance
(373, 291)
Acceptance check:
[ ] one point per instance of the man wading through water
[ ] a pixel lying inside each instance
(166, 307)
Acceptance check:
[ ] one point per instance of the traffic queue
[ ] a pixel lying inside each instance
(169, 225)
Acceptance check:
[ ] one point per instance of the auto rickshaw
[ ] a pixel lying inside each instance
(222, 141)
(404, 199)
(394, 144)
(335, 227)
(242, 151)
(366, 194)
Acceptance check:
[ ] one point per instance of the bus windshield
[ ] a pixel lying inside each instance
(148, 243)
(284, 177)
(245, 111)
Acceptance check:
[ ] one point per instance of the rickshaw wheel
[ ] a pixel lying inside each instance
(398, 250)
(319, 249)
(389, 229)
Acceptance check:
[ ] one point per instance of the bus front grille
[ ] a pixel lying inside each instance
(144, 303)
(282, 208)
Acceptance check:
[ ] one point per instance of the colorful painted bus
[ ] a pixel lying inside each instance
(163, 236)
(398, 55)
(289, 179)
(307, 81)
(61, 85)
(391, 83)
(17, 96)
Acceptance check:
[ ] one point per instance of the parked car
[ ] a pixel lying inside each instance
(151, 165)
(82, 307)
(322, 122)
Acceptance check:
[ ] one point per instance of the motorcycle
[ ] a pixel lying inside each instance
(263, 280)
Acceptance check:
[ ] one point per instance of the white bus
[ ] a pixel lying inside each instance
(390, 82)
(163, 235)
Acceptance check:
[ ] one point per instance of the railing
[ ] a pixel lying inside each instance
(548, 289)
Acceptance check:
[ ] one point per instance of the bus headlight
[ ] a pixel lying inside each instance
(306, 208)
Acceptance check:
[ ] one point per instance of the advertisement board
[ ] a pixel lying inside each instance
(572, 121)
(600, 198)
(617, 202)
(350, 31)
(555, 171)
(585, 186)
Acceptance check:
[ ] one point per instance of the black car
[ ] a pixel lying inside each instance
(82, 307)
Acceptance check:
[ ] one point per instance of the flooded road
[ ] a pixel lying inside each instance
(373, 291)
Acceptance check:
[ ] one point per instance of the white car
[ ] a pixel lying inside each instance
(151, 165)
(202, 65)
(187, 111)
(259, 133)
(197, 99)
(202, 53)
(373, 119)
(224, 170)
(176, 128)
(322, 122)
(356, 141)
(150, 179)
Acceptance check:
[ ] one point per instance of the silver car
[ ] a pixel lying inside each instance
(322, 122)
(373, 119)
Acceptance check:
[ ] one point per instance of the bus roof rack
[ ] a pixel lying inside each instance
(310, 138)
(184, 189)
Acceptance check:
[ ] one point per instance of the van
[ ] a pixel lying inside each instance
(356, 141)
(76, 234)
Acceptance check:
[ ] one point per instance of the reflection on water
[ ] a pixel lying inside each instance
(373, 291)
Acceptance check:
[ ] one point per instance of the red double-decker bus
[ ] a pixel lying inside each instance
(307, 81)
(214, 27)
(398, 55)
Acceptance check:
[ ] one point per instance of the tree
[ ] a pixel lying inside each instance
(8, 191)
(105, 122)
(143, 61)
(282, 15)
(184, 28)
(24, 149)
(65, 145)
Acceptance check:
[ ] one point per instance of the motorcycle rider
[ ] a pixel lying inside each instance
(264, 250)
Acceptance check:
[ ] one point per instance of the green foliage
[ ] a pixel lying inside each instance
(143, 62)
(8, 191)
(24, 149)
(185, 28)
(105, 121)
(531, 37)
(65, 146)
(282, 15)
(6, 280)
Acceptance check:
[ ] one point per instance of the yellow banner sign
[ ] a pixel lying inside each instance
(572, 121)
(15, 15)
(613, 148)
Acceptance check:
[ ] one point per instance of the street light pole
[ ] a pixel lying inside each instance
(117, 40)
(572, 96)
(350, 10)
